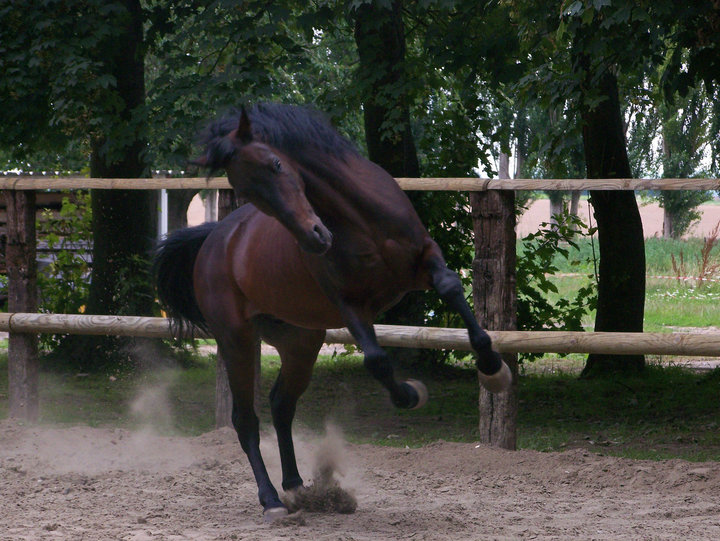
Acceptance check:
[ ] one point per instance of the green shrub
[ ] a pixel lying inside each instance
(538, 260)
(64, 284)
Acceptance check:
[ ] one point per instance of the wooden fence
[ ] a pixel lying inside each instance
(687, 344)
(24, 326)
(422, 184)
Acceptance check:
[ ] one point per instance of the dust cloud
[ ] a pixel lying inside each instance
(325, 494)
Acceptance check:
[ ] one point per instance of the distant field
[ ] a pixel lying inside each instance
(651, 214)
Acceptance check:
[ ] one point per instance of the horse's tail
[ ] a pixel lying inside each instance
(173, 265)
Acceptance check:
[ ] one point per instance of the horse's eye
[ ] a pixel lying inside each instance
(277, 165)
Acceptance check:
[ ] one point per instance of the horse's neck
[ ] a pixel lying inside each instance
(358, 191)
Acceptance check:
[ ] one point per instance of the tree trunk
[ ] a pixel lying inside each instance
(575, 206)
(557, 205)
(21, 265)
(116, 238)
(574, 202)
(521, 147)
(124, 222)
(504, 165)
(621, 287)
(667, 224)
(380, 38)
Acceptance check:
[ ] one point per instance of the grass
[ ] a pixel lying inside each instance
(667, 413)
(669, 303)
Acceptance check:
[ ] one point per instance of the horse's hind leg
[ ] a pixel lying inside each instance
(298, 349)
(494, 374)
(237, 348)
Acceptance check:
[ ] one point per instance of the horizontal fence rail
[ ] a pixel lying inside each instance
(686, 344)
(424, 184)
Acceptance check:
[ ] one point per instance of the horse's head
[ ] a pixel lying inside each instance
(270, 180)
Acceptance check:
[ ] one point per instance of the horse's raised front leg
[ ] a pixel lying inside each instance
(298, 349)
(237, 348)
(494, 374)
(410, 394)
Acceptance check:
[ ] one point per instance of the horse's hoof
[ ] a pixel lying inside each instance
(499, 381)
(274, 513)
(420, 390)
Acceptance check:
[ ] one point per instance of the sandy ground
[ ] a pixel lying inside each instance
(539, 211)
(95, 484)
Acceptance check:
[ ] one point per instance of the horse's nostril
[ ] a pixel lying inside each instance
(321, 233)
(322, 236)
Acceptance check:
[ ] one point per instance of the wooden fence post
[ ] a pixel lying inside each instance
(21, 263)
(495, 300)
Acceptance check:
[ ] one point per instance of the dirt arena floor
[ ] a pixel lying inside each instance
(94, 484)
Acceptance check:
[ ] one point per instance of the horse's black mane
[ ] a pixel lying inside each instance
(293, 129)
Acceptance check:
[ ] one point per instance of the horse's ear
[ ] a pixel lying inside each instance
(244, 130)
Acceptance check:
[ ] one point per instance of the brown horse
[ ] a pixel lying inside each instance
(329, 240)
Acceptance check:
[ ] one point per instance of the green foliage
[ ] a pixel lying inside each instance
(63, 284)
(57, 90)
(684, 132)
(537, 263)
(206, 57)
(133, 290)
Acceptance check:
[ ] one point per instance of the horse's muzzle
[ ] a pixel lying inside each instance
(319, 240)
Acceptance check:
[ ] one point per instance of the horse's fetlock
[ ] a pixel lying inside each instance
(292, 483)
(489, 362)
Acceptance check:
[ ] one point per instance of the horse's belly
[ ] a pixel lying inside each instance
(306, 308)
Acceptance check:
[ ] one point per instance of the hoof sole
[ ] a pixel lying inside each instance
(498, 382)
(273, 514)
(421, 391)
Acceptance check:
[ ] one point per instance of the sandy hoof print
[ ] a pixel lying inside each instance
(421, 391)
(273, 514)
(498, 382)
